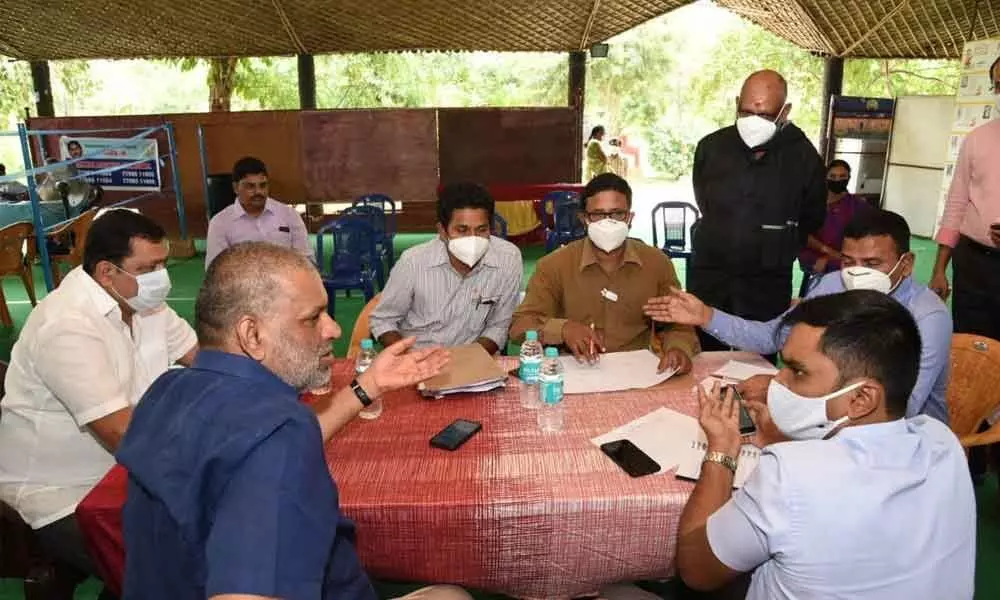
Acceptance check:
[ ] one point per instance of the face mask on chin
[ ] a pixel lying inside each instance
(468, 249)
(608, 234)
(866, 278)
(800, 417)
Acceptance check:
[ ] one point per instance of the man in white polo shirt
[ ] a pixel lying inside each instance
(86, 355)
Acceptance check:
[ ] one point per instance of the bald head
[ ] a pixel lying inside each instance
(246, 279)
(764, 93)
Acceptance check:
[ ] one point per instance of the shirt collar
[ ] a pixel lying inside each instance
(238, 366)
(905, 290)
(105, 303)
(239, 212)
(441, 256)
(589, 256)
(874, 431)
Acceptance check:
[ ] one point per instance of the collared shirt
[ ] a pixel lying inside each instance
(75, 362)
(933, 320)
(229, 491)
(279, 223)
(569, 284)
(878, 512)
(427, 298)
(974, 197)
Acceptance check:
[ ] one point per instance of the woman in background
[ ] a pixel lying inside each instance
(597, 159)
(822, 252)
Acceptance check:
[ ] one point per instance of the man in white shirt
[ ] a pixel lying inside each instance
(86, 355)
(850, 499)
(255, 216)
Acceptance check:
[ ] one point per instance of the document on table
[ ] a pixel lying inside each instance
(614, 371)
(663, 435)
(740, 371)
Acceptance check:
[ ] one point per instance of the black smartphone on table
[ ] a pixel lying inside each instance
(630, 458)
(456, 434)
(747, 425)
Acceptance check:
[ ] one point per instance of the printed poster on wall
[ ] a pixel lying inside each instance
(974, 105)
(109, 153)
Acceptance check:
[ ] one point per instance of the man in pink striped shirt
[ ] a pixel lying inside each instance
(970, 230)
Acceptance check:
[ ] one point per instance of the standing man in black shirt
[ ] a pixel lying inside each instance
(761, 189)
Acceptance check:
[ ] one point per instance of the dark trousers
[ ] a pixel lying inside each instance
(976, 301)
(63, 541)
(975, 308)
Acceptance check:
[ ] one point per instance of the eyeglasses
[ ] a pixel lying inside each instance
(600, 215)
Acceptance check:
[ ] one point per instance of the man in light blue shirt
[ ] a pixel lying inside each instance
(876, 242)
(849, 499)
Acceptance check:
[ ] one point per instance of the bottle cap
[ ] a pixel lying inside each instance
(551, 352)
(367, 344)
(531, 336)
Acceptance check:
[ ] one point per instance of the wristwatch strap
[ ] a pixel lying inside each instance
(360, 393)
(723, 459)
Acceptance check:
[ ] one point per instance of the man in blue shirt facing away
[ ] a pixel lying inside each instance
(229, 493)
(876, 256)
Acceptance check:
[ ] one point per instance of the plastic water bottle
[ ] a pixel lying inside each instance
(550, 414)
(364, 361)
(530, 368)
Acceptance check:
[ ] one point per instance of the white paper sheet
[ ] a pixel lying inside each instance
(740, 371)
(662, 434)
(615, 371)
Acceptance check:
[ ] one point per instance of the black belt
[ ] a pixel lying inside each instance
(981, 248)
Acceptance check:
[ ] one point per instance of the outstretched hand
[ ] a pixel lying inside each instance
(678, 307)
(398, 366)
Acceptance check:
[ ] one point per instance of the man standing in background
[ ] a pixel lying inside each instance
(970, 230)
(761, 189)
(255, 216)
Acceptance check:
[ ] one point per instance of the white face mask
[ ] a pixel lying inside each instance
(867, 278)
(154, 287)
(801, 417)
(608, 234)
(469, 249)
(755, 131)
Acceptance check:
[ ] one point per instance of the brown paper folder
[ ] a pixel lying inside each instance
(471, 369)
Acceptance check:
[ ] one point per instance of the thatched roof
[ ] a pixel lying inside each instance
(62, 29)
(876, 28)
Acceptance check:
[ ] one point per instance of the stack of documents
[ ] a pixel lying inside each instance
(471, 369)
(740, 371)
(613, 372)
(676, 441)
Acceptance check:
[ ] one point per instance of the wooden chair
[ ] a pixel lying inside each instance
(72, 236)
(974, 388)
(15, 260)
(362, 329)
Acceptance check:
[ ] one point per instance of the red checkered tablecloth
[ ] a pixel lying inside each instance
(514, 510)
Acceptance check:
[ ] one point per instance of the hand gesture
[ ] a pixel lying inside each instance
(767, 432)
(678, 307)
(674, 359)
(755, 388)
(583, 341)
(720, 418)
(939, 285)
(396, 367)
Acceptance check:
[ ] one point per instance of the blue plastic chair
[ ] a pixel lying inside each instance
(376, 219)
(388, 207)
(676, 222)
(559, 214)
(499, 226)
(354, 263)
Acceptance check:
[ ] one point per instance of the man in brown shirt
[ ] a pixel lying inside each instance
(588, 296)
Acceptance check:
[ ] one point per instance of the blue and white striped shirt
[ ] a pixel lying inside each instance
(427, 298)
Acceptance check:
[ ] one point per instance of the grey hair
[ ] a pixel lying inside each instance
(245, 279)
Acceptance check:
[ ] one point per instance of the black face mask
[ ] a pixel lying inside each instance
(837, 186)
